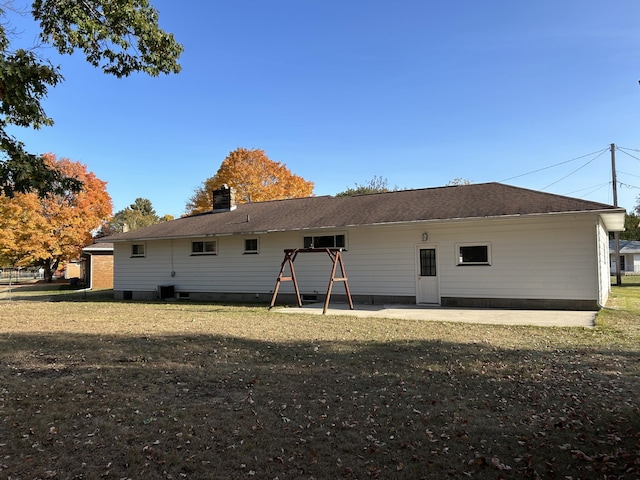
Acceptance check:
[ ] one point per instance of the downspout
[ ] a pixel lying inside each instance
(86, 267)
(599, 274)
(599, 293)
(599, 246)
(90, 273)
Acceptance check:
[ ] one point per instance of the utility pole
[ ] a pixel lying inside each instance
(616, 235)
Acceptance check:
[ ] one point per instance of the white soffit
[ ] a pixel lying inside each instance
(613, 221)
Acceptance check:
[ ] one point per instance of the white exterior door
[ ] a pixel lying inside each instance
(428, 290)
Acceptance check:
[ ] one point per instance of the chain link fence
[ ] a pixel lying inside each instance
(10, 275)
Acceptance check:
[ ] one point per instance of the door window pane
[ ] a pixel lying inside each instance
(427, 262)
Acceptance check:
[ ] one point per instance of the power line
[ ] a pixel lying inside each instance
(577, 169)
(555, 165)
(627, 148)
(628, 186)
(592, 189)
(627, 153)
(630, 174)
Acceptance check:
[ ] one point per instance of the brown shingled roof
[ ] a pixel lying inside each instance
(453, 202)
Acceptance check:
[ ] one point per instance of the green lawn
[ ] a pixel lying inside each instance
(93, 388)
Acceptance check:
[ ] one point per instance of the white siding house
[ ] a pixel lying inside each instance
(488, 245)
(629, 257)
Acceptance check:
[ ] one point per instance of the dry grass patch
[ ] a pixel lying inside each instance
(102, 389)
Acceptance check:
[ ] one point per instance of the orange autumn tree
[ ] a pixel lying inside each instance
(46, 232)
(255, 178)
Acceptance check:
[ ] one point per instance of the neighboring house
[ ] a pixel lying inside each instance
(482, 245)
(72, 270)
(97, 266)
(629, 257)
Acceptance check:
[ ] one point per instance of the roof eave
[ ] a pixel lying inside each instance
(613, 221)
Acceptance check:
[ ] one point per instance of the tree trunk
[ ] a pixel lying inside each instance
(50, 268)
(48, 274)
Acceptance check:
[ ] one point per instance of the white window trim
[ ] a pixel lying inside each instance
(144, 249)
(215, 252)
(459, 261)
(250, 252)
(344, 234)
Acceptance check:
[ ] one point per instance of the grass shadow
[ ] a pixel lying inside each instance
(216, 406)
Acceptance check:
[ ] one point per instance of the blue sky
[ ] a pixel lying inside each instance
(415, 91)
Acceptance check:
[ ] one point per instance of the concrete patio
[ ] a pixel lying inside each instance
(542, 318)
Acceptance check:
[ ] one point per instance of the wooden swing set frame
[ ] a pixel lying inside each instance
(289, 257)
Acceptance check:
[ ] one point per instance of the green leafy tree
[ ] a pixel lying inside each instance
(631, 227)
(375, 185)
(632, 224)
(120, 37)
(137, 215)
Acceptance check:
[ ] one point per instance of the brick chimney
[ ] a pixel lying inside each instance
(224, 199)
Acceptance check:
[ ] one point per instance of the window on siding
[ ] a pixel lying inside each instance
(204, 248)
(325, 241)
(250, 245)
(137, 250)
(478, 254)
